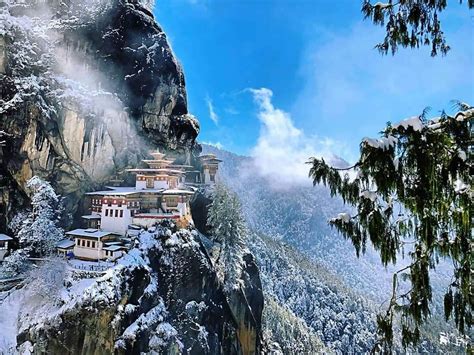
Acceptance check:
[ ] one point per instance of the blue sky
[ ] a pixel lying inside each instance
(326, 84)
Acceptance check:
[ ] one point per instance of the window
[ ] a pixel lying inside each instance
(149, 183)
(172, 202)
(106, 212)
(83, 242)
(121, 213)
(88, 244)
(116, 213)
(212, 177)
(93, 244)
(78, 242)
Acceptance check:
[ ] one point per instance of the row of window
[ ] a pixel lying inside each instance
(109, 203)
(85, 243)
(110, 213)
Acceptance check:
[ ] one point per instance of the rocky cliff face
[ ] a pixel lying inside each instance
(88, 87)
(164, 297)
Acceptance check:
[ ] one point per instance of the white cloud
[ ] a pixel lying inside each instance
(282, 150)
(212, 113)
(218, 145)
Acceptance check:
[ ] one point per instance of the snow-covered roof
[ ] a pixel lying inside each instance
(155, 191)
(112, 243)
(209, 158)
(153, 170)
(91, 216)
(134, 227)
(90, 233)
(65, 244)
(4, 237)
(113, 247)
(122, 191)
(158, 161)
(177, 192)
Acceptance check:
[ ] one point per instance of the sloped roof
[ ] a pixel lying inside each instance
(113, 247)
(4, 237)
(177, 192)
(90, 233)
(91, 216)
(65, 244)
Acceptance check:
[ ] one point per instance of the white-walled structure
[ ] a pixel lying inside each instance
(159, 193)
(65, 247)
(162, 191)
(210, 166)
(4, 240)
(91, 244)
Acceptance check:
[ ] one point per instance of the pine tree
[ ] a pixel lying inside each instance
(409, 23)
(39, 232)
(228, 228)
(412, 191)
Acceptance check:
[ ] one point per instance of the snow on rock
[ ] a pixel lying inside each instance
(9, 310)
(144, 322)
(163, 296)
(163, 334)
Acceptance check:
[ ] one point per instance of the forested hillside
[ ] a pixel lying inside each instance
(312, 270)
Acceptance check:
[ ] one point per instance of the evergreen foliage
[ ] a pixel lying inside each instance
(412, 192)
(14, 264)
(409, 23)
(38, 230)
(343, 320)
(227, 226)
(282, 327)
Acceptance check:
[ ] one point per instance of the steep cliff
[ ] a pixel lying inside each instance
(163, 297)
(87, 88)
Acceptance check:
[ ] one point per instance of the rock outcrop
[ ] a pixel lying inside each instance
(87, 88)
(164, 297)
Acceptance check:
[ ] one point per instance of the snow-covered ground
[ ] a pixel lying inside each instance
(43, 296)
(9, 310)
(90, 265)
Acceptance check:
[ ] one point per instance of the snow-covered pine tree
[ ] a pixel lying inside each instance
(40, 232)
(228, 228)
(409, 23)
(412, 190)
(14, 264)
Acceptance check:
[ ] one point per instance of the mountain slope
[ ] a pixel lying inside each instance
(342, 319)
(293, 233)
(163, 297)
(298, 216)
